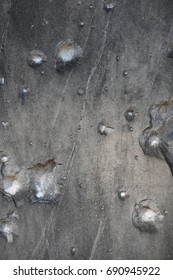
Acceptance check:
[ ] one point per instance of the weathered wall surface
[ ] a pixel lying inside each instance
(54, 122)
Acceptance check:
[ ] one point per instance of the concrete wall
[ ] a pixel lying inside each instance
(55, 122)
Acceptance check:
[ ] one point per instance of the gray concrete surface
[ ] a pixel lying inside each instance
(63, 125)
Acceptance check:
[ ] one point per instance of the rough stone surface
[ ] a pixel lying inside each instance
(54, 122)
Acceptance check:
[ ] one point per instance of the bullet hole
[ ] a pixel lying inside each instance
(2, 81)
(15, 180)
(122, 194)
(157, 139)
(5, 125)
(136, 157)
(9, 227)
(81, 23)
(39, 183)
(104, 129)
(31, 143)
(67, 54)
(125, 73)
(80, 91)
(44, 186)
(24, 93)
(130, 114)
(102, 207)
(131, 128)
(146, 216)
(109, 7)
(36, 58)
(73, 250)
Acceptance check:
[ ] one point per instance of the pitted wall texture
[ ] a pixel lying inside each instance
(124, 64)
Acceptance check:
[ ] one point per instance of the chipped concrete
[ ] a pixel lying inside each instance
(9, 227)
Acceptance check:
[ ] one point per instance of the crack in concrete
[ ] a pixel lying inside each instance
(100, 230)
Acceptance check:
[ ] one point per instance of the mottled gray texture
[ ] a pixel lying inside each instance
(54, 122)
